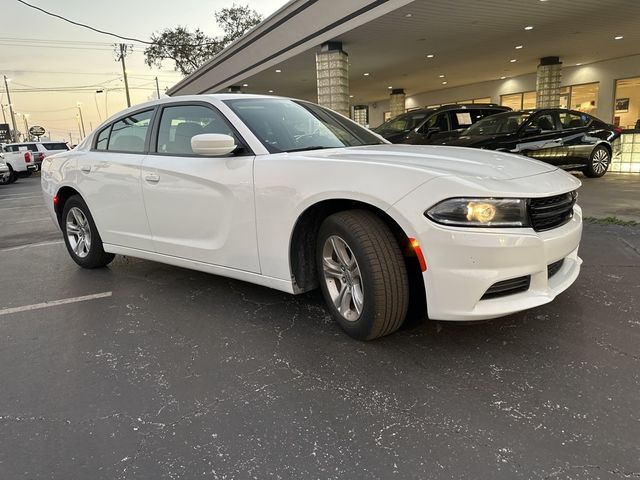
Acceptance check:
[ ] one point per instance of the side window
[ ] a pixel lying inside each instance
(465, 118)
(180, 123)
(573, 120)
(103, 139)
(128, 134)
(544, 122)
(439, 121)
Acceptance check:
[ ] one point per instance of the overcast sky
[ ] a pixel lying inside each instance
(89, 61)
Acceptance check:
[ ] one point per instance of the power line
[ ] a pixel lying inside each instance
(104, 32)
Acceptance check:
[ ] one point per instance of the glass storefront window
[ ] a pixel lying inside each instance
(627, 102)
(528, 100)
(513, 101)
(584, 98)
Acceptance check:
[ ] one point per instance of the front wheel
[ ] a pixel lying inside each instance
(598, 162)
(81, 235)
(362, 273)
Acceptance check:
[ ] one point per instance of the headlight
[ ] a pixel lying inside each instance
(480, 212)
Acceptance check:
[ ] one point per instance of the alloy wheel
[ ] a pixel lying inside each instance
(600, 161)
(342, 277)
(78, 232)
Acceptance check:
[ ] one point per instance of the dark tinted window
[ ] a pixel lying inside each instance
(128, 134)
(103, 139)
(403, 123)
(573, 120)
(179, 124)
(544, 122)
(439, 121)
(464, 118)
(24, 146)
(500, 123)
(55, 146)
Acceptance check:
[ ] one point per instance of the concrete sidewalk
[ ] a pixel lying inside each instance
(613, 195)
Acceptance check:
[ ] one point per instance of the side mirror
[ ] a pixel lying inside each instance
(532, 130)
(213, 144)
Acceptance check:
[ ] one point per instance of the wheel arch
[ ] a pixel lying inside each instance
(62, 195)
(302, 246)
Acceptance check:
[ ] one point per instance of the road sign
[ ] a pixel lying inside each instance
(5, 133)
(36, 131)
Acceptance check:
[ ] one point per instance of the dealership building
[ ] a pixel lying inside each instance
(372, 60)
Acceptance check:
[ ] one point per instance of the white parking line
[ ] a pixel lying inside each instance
(53, 303)
(29, 245)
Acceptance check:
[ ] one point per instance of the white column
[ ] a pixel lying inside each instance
(548, 80)
(332, 71)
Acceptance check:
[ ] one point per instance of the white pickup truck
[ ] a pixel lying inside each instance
(26, 157)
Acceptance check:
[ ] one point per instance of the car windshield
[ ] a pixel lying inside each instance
(284, 125)
(501, 123)
(403, 123)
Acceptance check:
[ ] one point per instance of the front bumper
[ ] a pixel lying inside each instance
(465, 263)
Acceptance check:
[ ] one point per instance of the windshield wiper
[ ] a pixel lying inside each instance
(312, 147)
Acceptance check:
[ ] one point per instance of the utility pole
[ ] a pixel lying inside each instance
(81, 119)
(121, 52)
(70, 139)
(80, 137)
(4, 117)
(157, 88)
(13, 115)
(25, 117)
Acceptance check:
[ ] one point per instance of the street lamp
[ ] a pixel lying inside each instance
(81, 119)
(106, 106)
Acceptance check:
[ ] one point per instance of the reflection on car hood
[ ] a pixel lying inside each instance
(466, 140)
(438, 160)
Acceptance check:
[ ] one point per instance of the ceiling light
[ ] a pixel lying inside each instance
(245, 84)
(350, 96)
(409, 15)
(513, 60)
(578, 64)
(518, 47)
(430, 55)
(528, 27)
(618, 37)
(441, 75)
(278, 71)
(444, 83)
(270, 91)
(390, 87)
(366, 74)
(503, 77)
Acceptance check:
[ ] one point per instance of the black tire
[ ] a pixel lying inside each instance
(596, 168)
(384, 280)
(95, 257)
(12, 175)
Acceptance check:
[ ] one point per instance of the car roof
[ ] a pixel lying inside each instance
(458, 106)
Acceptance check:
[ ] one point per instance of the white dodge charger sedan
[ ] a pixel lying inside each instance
(292, 196)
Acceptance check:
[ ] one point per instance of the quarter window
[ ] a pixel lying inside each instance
(129, 134)
(103, 139)
(179, 124)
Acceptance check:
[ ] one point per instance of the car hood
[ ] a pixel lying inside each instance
(437, 160)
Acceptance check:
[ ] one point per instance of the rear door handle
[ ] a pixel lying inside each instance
(152, 177)
(85, 168)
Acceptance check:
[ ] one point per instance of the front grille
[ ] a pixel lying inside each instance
(551, 212)
(554, 268)
(508, 287)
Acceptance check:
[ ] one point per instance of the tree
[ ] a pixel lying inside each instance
(189, 50)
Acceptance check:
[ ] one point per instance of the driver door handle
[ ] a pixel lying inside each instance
(85, 168)
(152, 177)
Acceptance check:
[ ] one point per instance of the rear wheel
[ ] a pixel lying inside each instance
(81, 235)
(362, 274)
(598, 162)
(12, 175)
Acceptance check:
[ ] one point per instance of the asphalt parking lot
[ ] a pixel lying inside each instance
(162, 372)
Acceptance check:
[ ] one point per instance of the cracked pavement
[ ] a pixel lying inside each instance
(181, 374)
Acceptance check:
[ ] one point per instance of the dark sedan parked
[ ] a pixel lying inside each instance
(419, 126)
(569, 139)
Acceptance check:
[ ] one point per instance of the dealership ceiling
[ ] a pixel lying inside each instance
(425, 43)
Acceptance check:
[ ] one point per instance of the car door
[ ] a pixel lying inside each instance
(578, 137)
(200, 208)
(541, 138)
(109, 179)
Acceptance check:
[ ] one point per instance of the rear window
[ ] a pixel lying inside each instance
(55, 146)
(21, 147)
